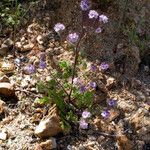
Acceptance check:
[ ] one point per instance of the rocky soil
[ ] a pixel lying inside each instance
(25, 124)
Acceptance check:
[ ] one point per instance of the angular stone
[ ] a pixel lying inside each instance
(111, 82)
(6, 89)
(2, 104)
(49, 144)
(3, 135)
(7, 67)
(50, 125)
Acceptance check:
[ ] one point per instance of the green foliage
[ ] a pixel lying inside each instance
(12, 12)
(56, 91)
(134, 37)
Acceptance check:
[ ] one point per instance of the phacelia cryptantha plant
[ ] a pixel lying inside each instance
(69, 89)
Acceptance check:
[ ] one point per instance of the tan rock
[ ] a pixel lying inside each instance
(7, 67)
(27, 47)
(49, 144)
(126, 106)
(2, 104)
(5, 46)
(139, 118)
(4, 79)
(6, 89)
(124, 143)
(3, 135)
(50, 125)
(111, 82)
(38, 147)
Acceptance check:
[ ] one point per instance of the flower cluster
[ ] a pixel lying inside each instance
(85, 5)
(59, 27)
(73, 37)
(30, 69)
(84, 120)
(92, 14)
(103, 67)
(106, 113)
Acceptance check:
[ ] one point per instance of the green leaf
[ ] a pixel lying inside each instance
(44, 100)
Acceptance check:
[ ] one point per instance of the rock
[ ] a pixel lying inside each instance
(49, 144)
(6, 89)
(27, 47)
(50, 125)
(5, 46)
(141, 122)
(126, 105)
(124, 143)
(38, 147)
(103, 125)
(101, 86)
(3, 50)
(113, 115)
(4, 79)
(136, 84)
(40, 39)
(2, 104)
(111, 82)
(3, 135)
(18, 45)
(7, 67)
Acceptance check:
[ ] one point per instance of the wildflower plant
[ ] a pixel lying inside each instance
(69, 89)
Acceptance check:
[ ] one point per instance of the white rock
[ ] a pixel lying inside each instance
(40, 39)
(3, 136)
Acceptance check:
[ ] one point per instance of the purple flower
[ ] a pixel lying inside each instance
(104, 66)
(59, 27)
(76, 81)
(98, 30)
(30, 69)
(92, 85)
(86, 114)
(112, 102)
(105, 114)
(83, 124)
(93, 14)
(93, 67)
(73, 37)
(85, 5)
(103, 18)
(82, 89)
(42, 64)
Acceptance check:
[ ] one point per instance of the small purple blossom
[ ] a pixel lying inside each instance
(86, 114)
(30, 69)
(112, 102)
(103, 18)
(104, 66)
(92, 85)
(105, 114)
(83, 124)
(85, 5)
(73, 37)
(42, 64)
(93, 14)
(82, 89)
(59, 27)
(98, 30)
(93, 67)
(76, 81)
